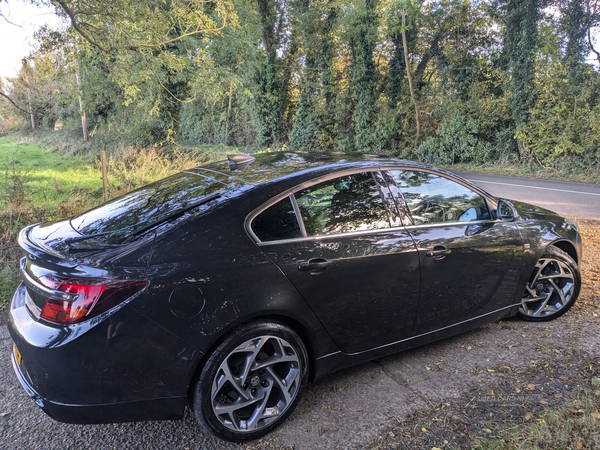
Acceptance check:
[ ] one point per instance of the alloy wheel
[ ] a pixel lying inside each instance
(549, 290)
(255, 384)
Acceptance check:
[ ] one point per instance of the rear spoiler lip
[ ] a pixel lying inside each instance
(36, 249)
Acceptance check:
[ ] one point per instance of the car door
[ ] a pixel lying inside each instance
(348, 256)
(470, 263)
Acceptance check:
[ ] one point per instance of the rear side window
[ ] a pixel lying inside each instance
(277, 222)
(349, 203)
(435, 199)
(146, 205)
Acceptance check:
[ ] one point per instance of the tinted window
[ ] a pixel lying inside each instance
(434, 199)
(343, 204)
(277, 222)
(149, 204)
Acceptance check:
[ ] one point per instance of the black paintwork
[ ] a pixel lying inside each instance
(370, 294)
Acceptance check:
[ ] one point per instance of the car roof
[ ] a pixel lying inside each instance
(272, 165)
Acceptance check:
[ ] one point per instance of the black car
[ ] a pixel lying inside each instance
(233, 284)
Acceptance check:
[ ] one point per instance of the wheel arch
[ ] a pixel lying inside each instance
(568, 248)
(294, 324)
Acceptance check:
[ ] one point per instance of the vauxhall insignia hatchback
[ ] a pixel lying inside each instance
(231, 285)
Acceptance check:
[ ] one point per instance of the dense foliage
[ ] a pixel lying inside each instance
(443, 81)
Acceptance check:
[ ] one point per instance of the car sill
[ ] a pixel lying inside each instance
(421, 335)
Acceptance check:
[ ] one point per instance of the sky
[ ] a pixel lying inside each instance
(15, 40)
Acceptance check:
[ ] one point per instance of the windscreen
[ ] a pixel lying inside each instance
(150, 204)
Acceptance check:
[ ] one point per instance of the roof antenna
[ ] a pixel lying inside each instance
(240, 161)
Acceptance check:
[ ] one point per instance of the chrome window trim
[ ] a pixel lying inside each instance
(376, 168)
(322, 237)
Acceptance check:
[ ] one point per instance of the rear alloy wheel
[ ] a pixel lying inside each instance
(252, 381)
(552, 288)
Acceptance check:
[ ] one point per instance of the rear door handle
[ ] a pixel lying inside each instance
(438, 252)
(314, 266)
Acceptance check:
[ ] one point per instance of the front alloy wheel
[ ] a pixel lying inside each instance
(552, 288)
(252, 381)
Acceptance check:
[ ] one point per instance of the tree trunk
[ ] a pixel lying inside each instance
(228, 111)
(410, 85)
(83, 118)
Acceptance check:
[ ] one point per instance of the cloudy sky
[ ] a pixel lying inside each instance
(15, 40)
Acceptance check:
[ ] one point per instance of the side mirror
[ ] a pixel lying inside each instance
(506, 211)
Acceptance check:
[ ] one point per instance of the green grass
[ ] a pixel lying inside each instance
(32, 175)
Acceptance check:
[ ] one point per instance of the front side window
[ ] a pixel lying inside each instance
(435, 199)
(348, 203)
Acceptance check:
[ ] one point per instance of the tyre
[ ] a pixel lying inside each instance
(252, 381)
(552, 288)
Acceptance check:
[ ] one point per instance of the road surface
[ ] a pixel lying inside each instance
(566, 198)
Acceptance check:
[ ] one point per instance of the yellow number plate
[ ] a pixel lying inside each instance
(17, 354)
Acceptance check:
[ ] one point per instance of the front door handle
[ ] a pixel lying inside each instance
(314, 266)
(438, 252)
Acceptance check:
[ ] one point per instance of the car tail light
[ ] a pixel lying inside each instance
(88, 297)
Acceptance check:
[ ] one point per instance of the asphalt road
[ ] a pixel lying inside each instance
(568, 199)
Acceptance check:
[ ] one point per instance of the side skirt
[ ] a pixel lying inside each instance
(336, 361)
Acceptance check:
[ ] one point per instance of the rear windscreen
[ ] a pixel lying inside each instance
(147, 205)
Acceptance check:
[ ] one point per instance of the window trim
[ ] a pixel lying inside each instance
(290, 193)
(322, 237)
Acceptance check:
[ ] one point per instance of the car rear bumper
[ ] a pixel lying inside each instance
(102, 373)
(158, 408)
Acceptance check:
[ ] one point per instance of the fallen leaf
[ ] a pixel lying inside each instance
(435, 448)
(392, 434)
(491, 370)
(487, 430)
(342, 388)
(424, 430)
(428, 368)
(528, 416)
(469, 348)
(518, 390)
(595, 415)
(491, 392)
(559, 395)
(579, 445)
(531, 387)
(564, 378)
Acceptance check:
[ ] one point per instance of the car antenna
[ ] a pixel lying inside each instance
(239, 161)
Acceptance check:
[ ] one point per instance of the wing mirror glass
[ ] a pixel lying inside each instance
(506, 211)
